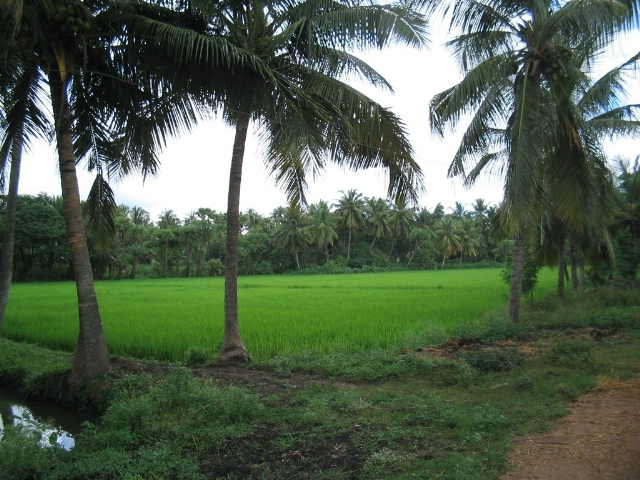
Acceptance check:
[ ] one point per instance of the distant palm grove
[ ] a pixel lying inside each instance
(354, 234)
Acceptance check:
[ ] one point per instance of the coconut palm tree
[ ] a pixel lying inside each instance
(597, 110)
(470, 238)
(447, 237)
(377, 217)
(283, 75)
(421, 234)
(516, 57)
(628, 219)
(21, 120)
(322, 229)
(291, 234)
(105, 109)
(400, 223)
(350, 208)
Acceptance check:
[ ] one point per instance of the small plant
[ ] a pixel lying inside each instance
(197, 357)
(523, 383)
(21, 455)
(572, 351)
(493, 361)
(529, 277)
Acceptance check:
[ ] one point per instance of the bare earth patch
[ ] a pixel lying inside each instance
(600, 439)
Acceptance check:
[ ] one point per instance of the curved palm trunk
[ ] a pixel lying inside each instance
(517, 272)
(91, 356)
(232, 349)
(8, 239)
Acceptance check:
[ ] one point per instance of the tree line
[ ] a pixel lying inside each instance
(109, 82)
(355, 233)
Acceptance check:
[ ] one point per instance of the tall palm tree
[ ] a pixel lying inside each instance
(21, 120)
(516, 56)
(102, 112)
(470, 238)
(281, 70)
(628, 221)
(459, 211)
(322, 229)
(350, 207)
(421, 234)
(400, 222)
(377, 217)
(595, 110)
(447, 237)
(291, 234)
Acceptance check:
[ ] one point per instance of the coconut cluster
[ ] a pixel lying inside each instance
(71, 17)
(556, 64)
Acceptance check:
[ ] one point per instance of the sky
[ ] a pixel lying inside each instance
(194, 169)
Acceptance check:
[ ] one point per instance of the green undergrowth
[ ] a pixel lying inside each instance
(448, 410)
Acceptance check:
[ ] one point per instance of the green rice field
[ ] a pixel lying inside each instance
(286, 314)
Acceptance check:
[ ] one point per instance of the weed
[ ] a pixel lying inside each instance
(493, 361)
(21, 455)
(523, 383)
(572, 351)
(197, 357)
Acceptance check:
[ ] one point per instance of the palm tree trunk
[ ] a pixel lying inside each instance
(561, 265)
(232, 349)
(581, 273)
(8, 239)
(517, 272)
(574, 266)
(349, 245)
(91, 356)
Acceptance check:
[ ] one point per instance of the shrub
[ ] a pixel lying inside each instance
(197, 357)
(22, 457)
(572, 351)
(493, 361)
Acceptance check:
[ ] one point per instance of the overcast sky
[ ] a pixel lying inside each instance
(195, 167)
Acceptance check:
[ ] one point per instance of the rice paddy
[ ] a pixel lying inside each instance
(279, 315)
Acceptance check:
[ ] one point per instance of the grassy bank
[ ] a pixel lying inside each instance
(286, 314)
(444, 411)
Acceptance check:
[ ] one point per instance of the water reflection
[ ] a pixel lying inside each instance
(19, 415)
(54, 426)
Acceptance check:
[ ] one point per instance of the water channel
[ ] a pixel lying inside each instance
(54, 425)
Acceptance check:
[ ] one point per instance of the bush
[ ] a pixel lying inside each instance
(572, 351)
(198, 357)
(493, 361)
(22, 457)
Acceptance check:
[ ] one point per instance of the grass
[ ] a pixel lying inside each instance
(279, 315)
(401, 416)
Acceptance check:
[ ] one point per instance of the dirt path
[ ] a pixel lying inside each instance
(600, 439)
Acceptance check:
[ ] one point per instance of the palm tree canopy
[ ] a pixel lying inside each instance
(518, 59)
(283, 65)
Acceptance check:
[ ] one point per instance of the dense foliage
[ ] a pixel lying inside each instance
(317, 239)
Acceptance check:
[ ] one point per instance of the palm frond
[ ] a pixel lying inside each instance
(99, 211)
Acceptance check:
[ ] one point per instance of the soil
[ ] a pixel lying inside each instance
(600, 439)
